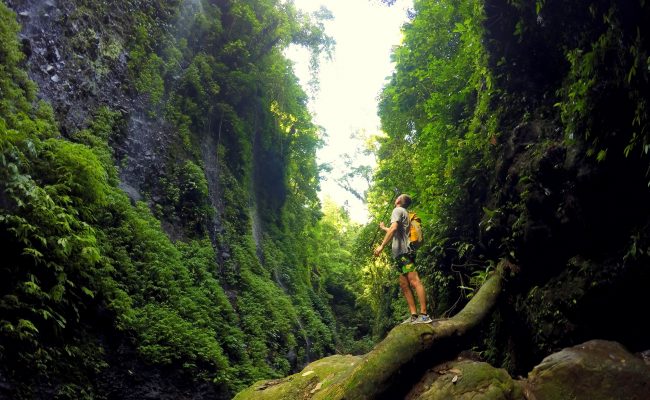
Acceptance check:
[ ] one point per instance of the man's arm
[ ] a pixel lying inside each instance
(390, 231)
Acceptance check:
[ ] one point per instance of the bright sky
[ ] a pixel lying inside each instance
(365, 32)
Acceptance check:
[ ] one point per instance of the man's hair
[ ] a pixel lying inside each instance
(405, 200)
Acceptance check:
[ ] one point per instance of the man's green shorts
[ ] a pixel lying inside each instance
(405, 263)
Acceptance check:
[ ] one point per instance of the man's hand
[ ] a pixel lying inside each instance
(378, 250)
(382, 226)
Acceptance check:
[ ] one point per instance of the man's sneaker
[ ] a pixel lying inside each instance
(422, 319)
(410, 319)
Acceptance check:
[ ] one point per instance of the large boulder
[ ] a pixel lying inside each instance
(594, 370)
(464, 379)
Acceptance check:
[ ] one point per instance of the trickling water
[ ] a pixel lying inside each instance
(257, 232)
(211, 170)
(192, 7)
(277, 279)
(148, 139)
(144, 152)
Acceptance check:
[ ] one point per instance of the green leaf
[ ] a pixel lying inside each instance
(88, 292)
(26, 325)
(33, 252)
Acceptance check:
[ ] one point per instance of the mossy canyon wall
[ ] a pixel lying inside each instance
(158, 199)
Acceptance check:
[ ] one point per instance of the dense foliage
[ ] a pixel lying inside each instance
(521, 131)
(439, 141)
(222, 269)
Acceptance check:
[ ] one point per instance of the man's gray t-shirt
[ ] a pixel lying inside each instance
(401, 237)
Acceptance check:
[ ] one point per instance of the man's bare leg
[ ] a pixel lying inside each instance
(414, 280)
(406, 289)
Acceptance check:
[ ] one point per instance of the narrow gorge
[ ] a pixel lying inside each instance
(163, 236)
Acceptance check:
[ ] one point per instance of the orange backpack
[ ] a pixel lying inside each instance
(415, 231)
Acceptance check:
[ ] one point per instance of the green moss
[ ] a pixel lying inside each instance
(468, 379)
(112, 49)
(17, 89)
(305, 384)
(149, 79)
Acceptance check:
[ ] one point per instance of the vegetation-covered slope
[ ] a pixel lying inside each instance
(212, 272)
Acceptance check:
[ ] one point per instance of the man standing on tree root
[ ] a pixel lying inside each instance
(404, 258)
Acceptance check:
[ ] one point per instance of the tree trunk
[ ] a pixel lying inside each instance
(373, 375)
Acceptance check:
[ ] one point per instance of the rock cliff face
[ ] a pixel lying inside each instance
(570, 196)
(78, 58)
(188, 120)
